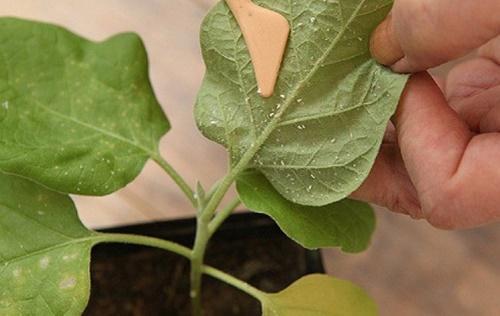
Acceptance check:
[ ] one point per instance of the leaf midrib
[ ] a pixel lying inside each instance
(92, 127)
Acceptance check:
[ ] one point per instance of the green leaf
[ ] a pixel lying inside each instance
(347, 224)
(318, 136)
(319, 295)
(77, 116)
(44, 251)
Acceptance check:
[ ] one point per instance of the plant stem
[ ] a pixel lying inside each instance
(146, 241)
(203, 233)
(206, 214)
(182, 251)
(199, 249)
(223, 215)
(176, 177)
(229, 279)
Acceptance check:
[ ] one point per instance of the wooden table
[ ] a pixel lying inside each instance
(411, 269)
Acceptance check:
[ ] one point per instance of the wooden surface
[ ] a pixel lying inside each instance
(411, 269)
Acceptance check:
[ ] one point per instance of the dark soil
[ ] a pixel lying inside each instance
(129, 280)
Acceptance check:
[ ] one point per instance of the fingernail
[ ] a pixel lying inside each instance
(384, 45)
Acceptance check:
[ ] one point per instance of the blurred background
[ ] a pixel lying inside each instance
(411, 268)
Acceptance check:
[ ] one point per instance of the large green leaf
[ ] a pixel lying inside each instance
(319, 295)
(77, 116)
(318, 136)
(346, 224)
(44, 251)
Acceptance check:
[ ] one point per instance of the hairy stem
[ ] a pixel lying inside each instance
(205, 214)
(176, 177)
(223, 215)
(203, 234)
(199, 249)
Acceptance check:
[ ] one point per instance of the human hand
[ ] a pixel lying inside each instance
(441, 157)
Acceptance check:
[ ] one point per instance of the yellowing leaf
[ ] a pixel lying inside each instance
(319, 295)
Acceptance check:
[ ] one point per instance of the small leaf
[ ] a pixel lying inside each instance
(77, 116)
(44, 251)
(319, 295)
(318, 136)
(347, 224)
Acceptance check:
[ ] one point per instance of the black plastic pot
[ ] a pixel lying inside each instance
(131, 280)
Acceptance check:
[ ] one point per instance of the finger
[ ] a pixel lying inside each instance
(454, 174)
(473, 90)
(390, 136)
(388, 184)
(491, 50)
(384, 45)
(473, 190)
(431, 135)
(422, 34)
(490, 123)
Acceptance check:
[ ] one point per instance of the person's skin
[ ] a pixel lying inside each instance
(441, 157)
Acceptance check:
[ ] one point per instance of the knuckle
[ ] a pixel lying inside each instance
(438, 208)
(404, 203)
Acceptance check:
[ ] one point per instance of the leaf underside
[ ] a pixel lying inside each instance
(319, 135)
(77, 116)
(319, 295)
(346, 224)
(44, 251)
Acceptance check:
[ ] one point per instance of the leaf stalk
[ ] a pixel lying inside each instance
(177, 178)
(182, 251)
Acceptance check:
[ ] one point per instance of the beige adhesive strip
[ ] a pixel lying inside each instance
(266, 35)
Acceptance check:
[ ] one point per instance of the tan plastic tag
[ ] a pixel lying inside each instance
(266, 35)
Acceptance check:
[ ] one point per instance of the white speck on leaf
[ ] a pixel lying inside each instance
(17, 272)
(44, 262)
(68, 283)
(70, 257)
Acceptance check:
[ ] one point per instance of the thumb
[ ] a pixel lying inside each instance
(421, 34)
